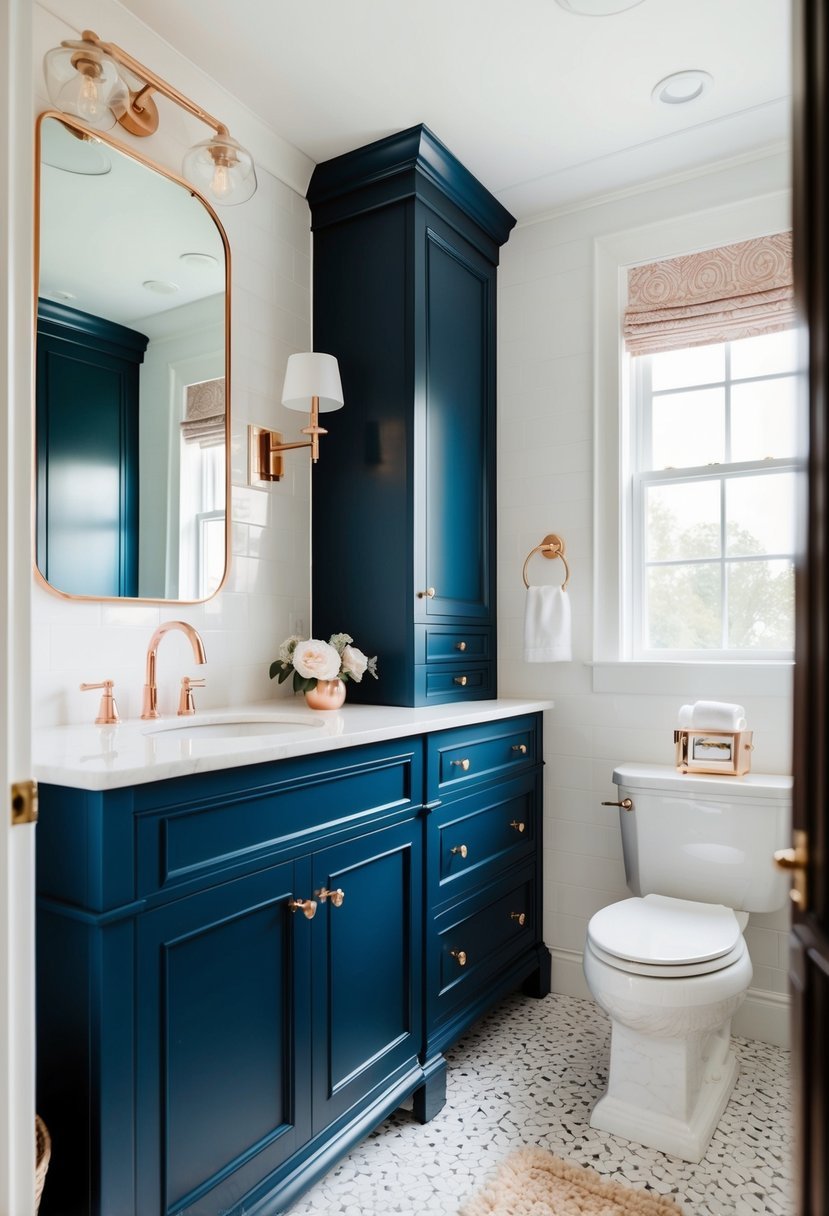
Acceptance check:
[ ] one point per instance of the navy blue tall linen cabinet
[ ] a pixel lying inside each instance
(406, 246)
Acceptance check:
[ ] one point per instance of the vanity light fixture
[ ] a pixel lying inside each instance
(312, 382)
(101, 84)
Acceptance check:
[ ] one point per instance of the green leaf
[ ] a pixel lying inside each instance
(275, 667)
(286, 671)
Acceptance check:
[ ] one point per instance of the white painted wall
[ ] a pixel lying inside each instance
(269, 585)
(546, 352)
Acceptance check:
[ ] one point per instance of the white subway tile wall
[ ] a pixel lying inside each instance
(545, 443)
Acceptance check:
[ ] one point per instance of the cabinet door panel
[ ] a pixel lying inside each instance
(458, 392)
(366, 966)
(217, 1023)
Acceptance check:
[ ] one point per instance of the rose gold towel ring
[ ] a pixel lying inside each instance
(551, 546)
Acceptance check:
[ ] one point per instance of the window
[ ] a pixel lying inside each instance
(712, 472)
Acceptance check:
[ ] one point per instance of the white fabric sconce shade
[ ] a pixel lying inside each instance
(312, 374)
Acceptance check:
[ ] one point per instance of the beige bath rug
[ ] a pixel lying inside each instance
(532, 1182)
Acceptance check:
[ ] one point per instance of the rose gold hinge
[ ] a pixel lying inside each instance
(24, 803)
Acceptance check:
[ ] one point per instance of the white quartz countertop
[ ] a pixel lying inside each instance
(133, 752)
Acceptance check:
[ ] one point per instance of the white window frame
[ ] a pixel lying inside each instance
(641, 477)
(614, 670)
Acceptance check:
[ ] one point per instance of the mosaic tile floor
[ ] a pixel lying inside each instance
(529, 1074)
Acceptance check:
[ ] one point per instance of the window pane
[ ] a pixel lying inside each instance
(682, 368)
(764, 355)
(682, 521)
(684, 607)
(688, 429)
(759, 513)
(764, 419)
(761, 605)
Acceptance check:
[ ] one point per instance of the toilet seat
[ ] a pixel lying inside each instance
(665, 937)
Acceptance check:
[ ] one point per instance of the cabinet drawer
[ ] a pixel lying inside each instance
(441, 645)
(473, 753)
(473, 945)
(205, 833)
(483, 832)
(459, 681)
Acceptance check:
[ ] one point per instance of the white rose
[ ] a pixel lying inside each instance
(354, 663)
(316, 660)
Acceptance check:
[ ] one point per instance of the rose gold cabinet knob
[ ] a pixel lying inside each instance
(308, 907)
(428, 594)
(461, 849)
(520, 747)
(462, 680)
(460, 646)
(336, 897)
(518, 825)
(459, 956)
(464, 764)
(519, 916)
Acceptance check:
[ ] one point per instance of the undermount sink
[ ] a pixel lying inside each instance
(265, 726)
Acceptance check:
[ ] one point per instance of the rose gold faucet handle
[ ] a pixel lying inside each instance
(186, 704)
(107, 710)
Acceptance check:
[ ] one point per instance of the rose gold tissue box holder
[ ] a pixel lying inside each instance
(727, 752)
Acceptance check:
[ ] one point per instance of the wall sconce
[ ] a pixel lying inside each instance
(101, 84)
(312, 382)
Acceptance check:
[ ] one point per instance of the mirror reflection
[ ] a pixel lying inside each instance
(131, 405)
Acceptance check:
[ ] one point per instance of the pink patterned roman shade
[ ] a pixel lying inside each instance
(736, 291)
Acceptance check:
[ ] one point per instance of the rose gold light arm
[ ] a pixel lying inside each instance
(154, 81)
(149, 707)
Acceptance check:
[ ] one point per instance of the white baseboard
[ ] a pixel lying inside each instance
(763, 1015)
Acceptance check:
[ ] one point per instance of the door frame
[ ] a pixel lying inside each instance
(17, 844)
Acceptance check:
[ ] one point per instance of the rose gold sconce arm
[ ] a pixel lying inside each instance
(142, 117)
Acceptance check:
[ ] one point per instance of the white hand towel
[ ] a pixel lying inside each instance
(718, 715)
(547, 626)
(685, 717)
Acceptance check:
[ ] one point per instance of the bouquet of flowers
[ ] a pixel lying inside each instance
(310, 660)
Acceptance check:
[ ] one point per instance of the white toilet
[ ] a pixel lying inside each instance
(671, 967)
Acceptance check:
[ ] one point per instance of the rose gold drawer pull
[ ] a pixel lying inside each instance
(336, 897)
(519, 916)
(460, 848)
(459, 956)
(464, 764)
(520, 747)
(428, 594)
(518, 825)
(460, 645)
(462, 680)
(308, 907)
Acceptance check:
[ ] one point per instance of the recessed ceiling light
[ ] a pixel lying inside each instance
(162, 287)
(198, 259)
(597, 8)
(682, 87)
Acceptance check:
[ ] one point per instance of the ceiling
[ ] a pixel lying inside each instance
(544, 106)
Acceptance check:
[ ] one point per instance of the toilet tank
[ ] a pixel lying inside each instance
(706, 838)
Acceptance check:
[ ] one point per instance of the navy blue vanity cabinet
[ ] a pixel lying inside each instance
(405, 254)
(483, 934)
(204, 1046)
(208, 1048)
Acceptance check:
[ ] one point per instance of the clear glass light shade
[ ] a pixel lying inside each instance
(222, 169)
(83, 81)
(312, 374)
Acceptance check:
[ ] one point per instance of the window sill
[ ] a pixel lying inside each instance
(699, 680)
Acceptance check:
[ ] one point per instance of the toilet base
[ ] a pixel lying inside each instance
(677, 1137)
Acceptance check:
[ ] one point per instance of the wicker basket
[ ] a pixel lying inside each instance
(43, 1144)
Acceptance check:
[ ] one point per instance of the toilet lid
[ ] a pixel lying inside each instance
(661, 931)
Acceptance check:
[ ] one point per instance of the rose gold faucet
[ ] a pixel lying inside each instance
(149, 707)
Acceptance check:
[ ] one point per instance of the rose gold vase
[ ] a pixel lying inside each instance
(328, 694)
